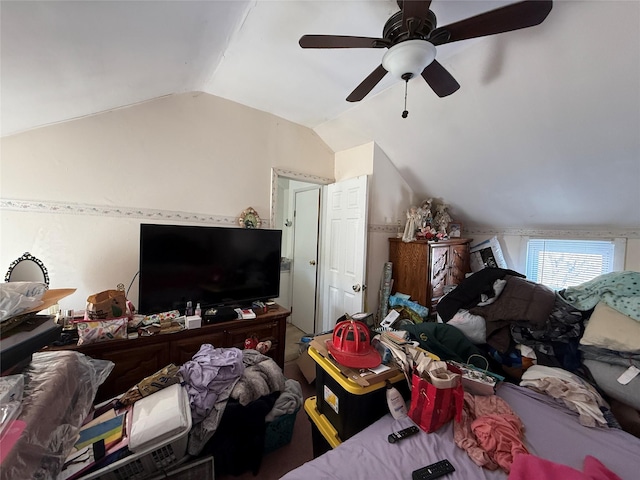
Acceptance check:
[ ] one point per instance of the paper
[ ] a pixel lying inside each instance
(628, 375)
(380, 368)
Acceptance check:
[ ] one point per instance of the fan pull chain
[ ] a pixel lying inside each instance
(405, 113)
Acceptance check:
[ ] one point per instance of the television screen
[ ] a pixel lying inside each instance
(213, 266)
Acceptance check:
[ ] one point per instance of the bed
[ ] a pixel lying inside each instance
(551, 431)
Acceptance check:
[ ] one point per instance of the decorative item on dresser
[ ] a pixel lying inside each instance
(422, 269)
(138, 358)
(455, 229)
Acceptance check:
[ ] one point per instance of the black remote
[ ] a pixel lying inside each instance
(435, 470)
(404, 433)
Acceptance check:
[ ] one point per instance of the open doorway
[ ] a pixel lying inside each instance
(295, 209)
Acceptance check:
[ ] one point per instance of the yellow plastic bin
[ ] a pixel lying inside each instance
(323, 435)
(348, 406)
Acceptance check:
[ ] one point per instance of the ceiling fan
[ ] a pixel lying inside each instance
(411, 37)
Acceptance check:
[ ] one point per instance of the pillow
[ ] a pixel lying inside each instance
(473, 326)
(610, 329)
(605, 376)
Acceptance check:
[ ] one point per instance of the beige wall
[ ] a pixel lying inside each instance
(389, 196)
(191, 158)
(193, 153)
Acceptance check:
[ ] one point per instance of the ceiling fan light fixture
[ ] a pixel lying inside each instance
(408, 57)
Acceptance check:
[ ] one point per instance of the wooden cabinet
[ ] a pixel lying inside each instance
(138, 358)
(422, 269)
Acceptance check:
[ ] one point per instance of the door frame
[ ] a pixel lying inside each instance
(276, 173)
(317, 197)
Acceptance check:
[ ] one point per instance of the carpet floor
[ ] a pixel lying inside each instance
(292, 343)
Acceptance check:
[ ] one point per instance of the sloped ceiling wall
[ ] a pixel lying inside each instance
(544, 132)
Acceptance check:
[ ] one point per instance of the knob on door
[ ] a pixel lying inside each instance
(356, 287)
(312, 262)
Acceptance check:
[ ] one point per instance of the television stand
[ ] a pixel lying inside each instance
(138, 358)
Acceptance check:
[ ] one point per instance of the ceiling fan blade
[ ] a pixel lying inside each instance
(505, 19)
(367, 85)
(340, 41)
(414, 9)
(439, 79)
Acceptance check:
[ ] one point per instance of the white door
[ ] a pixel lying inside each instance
(305, 258)
(344, 250)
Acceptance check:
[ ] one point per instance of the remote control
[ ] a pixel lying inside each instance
(435, 470)
(401, 434)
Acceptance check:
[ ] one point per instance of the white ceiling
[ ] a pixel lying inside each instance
(543, 133)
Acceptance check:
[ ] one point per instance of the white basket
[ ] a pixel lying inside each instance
(150, 461)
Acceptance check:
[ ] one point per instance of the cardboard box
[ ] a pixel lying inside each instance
(106, 305)
(49, 299)
(307, 366)
(193, 321)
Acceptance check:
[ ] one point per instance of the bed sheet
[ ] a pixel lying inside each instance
(552, 431)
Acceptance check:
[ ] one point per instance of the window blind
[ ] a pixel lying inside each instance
(560, 264)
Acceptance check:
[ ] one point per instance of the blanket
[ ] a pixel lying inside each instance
(619, 290)
(471, 291)
(261, 376)
(528, 303)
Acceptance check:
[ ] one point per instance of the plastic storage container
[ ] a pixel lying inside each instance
(348, 406)
(162, 443)
(279, 432)
(323, 435)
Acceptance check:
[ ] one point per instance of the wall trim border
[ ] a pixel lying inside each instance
(605, 232)
(64, 208)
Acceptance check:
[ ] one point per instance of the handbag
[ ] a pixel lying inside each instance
(432, 407)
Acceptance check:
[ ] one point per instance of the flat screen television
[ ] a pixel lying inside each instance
(213, 266)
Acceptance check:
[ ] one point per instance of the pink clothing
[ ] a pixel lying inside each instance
(500, 436)
(530, 467)
(489, 432)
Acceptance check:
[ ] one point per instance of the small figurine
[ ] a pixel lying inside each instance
(442, 218)
(426, 218)
(413, 222)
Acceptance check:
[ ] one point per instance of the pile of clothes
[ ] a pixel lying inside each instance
(591, 332)
(233, 394)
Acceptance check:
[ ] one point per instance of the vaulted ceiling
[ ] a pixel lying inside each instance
(543, 133)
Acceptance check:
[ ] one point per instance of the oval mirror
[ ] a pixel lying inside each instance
(27, 268)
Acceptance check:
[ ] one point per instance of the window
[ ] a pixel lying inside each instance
(563, 263)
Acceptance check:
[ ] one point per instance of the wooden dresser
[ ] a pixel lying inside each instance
(422, 269)
(138, 358)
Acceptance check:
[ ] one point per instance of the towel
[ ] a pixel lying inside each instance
(288, 402)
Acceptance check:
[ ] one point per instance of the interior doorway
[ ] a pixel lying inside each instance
(304, 278)
(296, 210)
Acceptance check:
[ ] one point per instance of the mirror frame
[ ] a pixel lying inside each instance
(27, 257)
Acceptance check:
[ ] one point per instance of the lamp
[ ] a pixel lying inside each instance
(407, 59)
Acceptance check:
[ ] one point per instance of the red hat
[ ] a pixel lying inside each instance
(351, 345)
